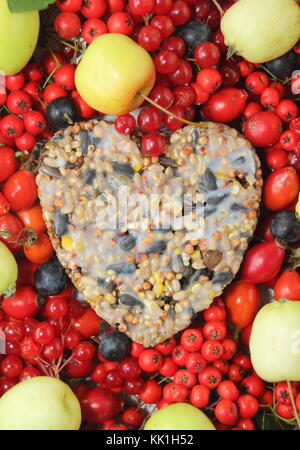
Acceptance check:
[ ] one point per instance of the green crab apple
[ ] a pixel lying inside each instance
(18, 38)
(261, 30)
(275, 341)
(179, 416)
(113, 71)
(40, 403)
(8, 270)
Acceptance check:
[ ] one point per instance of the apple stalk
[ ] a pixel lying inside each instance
(187, 122)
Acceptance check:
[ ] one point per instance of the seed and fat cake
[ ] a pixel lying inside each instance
(148, 281)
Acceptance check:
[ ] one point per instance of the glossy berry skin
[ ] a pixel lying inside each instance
(114, 346)
(19, 102)
(210, 377)
(209, 80)
(256, 82)
(11, 126)
(242, 301)
(134, 387)
(60, 112)
(43, 333)
(120, 22)
(262, 262)
(11, 366)
(150, 360)
(182, 74)
(193, 33)
(153, 144)
(207, 55)
(67, 25)
(113, 378)
(226, 412)
(149, 38)
(225, 105)
(200, 395)
(151, 392)
(149, 119)
(129, 368)
(22, 304)
(56, 308)
(212, 350)
(28, 372)
(263, 129)
(34, 122)
(50, 278)
(281, 188)
(125, 124)
(175, 393)
(8, 162)
(100, 404)
(169, 367)
(248, 406)
(132, 416)
(284, 225)
(162, 95)
(228, 390)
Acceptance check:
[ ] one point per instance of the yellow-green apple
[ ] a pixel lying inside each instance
(18, 37)
(275, 341)
(8, 270)
(179, 416)
(261, 30)
(113, 71)
(40, 403)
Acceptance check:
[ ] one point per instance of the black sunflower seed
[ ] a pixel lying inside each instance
(216, 200)
(157, 247)
(223, 277)
(207, 182)
(85, 141)
(129, 300)
(70, 165)
(123, 169)
(89, 176)
(122, 267)
(239, 161)
(195, 134)
(238, 207)
(167, 162)
(51, 172)
(60, 223)
(127, 242)
(108, 285)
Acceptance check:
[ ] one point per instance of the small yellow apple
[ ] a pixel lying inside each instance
(112, 73)
(179, 416)
(40, 403)
(18, 38)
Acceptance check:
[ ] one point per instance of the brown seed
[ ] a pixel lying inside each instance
(212, 258)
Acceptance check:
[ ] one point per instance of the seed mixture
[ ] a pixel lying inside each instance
(147, 281)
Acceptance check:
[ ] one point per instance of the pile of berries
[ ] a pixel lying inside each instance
(50, 332)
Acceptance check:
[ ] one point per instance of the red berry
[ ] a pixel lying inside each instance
(43, 333)
(11, 126)
(200, 395)
(67, 25)
(150, 360)
(153, 144)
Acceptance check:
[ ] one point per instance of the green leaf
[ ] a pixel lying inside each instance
(28, 5)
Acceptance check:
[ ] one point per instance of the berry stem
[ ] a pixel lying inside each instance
(293, 404)
(188, 122)
(217, 5)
